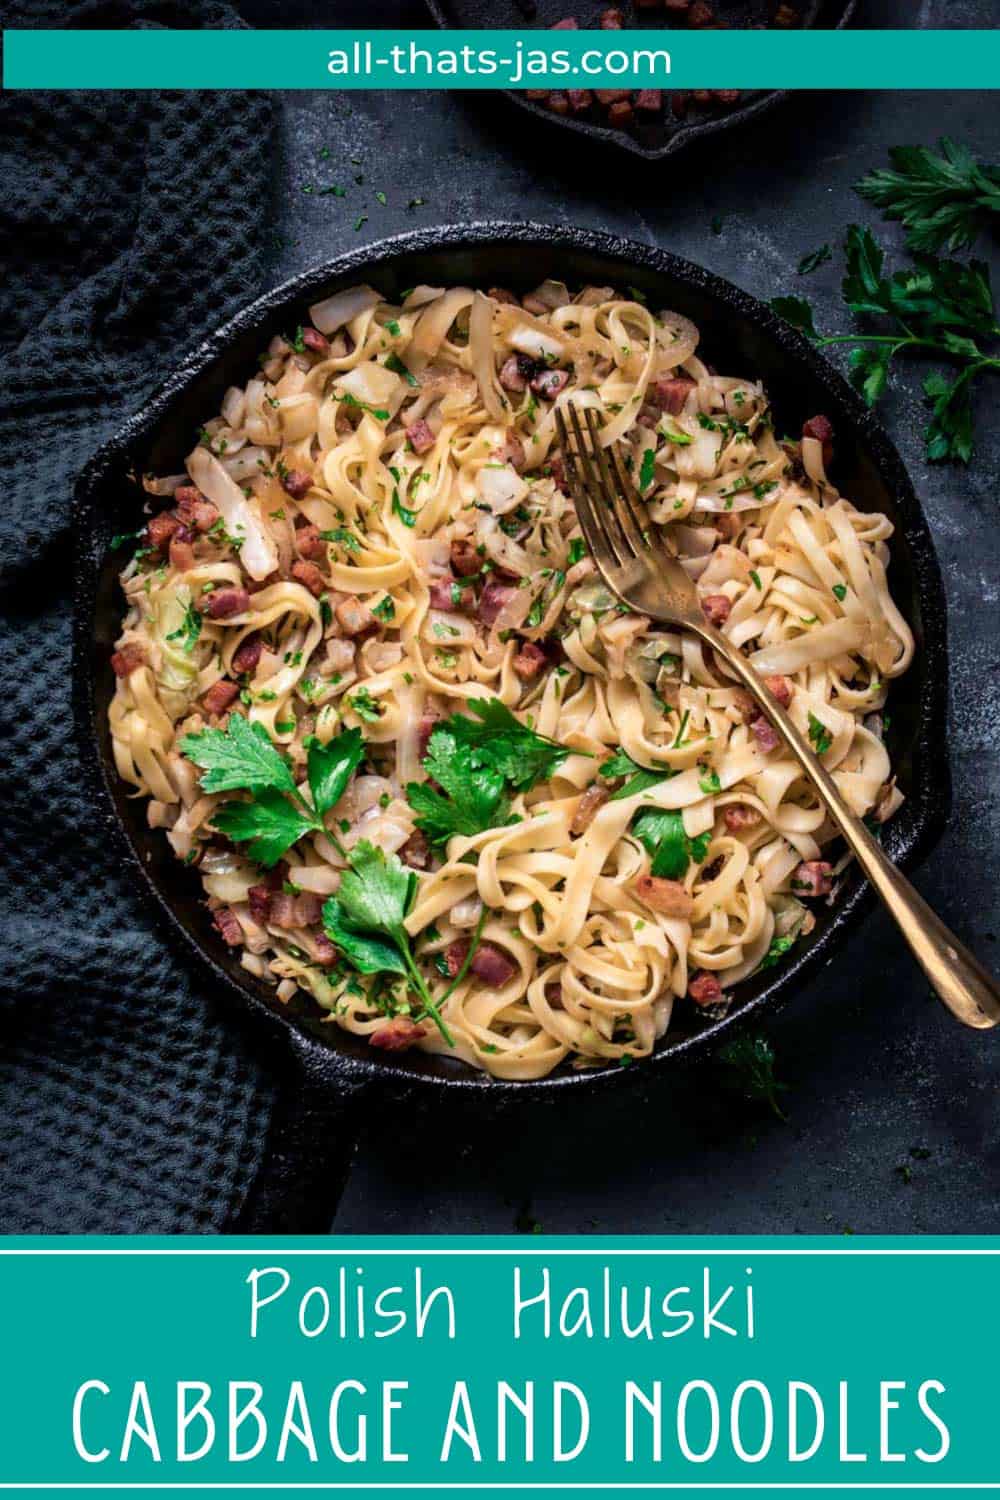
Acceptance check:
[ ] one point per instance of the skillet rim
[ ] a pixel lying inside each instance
(929, 796)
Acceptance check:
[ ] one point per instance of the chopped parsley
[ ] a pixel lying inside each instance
(819, 736)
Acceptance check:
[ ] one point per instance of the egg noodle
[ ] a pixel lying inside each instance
(375, 533)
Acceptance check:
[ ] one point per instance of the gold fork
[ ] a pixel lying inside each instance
(637, 568)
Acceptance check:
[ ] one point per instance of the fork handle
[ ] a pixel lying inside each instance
(955, 974)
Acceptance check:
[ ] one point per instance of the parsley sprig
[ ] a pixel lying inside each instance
(943, 201)
(661, 831)
(751, 1061)
(241, 757)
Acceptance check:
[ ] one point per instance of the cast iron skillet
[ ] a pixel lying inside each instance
(333, 1071)
(664, 136)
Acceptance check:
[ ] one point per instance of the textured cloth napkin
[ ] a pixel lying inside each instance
(129, 228)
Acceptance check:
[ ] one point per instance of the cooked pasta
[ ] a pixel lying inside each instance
(373, 546)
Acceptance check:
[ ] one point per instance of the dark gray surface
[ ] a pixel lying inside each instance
(879, 1076)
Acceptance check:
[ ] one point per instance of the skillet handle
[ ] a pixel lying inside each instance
(314, 1131)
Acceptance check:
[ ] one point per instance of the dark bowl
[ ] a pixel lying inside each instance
(738, 333)
(655, 139)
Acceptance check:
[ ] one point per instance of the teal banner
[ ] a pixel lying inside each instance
(467, 1365)
(501, 59)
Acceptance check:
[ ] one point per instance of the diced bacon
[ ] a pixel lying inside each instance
(489, 963)
(221, 604)
(323, 950)
(671, 392)
(353, 617)
(814, 877)
(416, 852)
(650, 101)
(612, 19)
(421, 437)
(533, 304)
(739, 817)
(678, 7)
(588, 807)
(220, 696)
(580, 100)
(465, 559)
(621, 113)
(283, 913)
(511, 452)
(611, 96)
(309, 543)
(160, 529)
(705, 989)
(700, 15)
(181, 554)
(529, 662)
(308, 909)
(448, 594)
(558, 103)
(716, 608)
(195, 512)
(228, 925)
(729, 526)
(501, 294)
(247, 654)
(557, 468)
(679, 104)
(125, 661)
(493, 599)
(666, 896)
(728, 97)
(548, 383)
(259, 898)
(745, 704)
(649, 416)
(569, 24)
(780, 688)
(765, 734)
(820, 428)
(297, 483)
(314, 340)
(309, 575)
(510, 375)
(399, 1035)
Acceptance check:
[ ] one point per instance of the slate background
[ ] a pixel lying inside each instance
(893, 1111)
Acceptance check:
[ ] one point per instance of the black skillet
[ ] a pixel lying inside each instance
(333, 1074)
(662, 135)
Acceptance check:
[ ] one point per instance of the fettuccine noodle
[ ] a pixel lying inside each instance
(375, 531)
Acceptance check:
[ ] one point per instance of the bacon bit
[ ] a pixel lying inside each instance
(398, 1036)
(739, 817)
(493, 599)
(588, 807)
(814, 877)
(611, 96)
(314, 340)
(765, 734)
(568, 25)
(309, 576)
(220, 604)
(678, 7)
(181, 554)
(729, 526)
(283, 911)
(716, 608)
(324, 952)
(354, 618)
(580, 100)
(220, 696)
(700, 15)
(228, 924)
(465, 560)
(745, 704)
(786, 16)
(309, 542)
(420, 436)
(194, 510)
(728, 97)
(125, 661)
(297, 483)
(259, 898)
(308, 909)
(821, 428)
(620, 114)
(489, 963)
(416, 852)
(650, 101)
(501, 294)
(670, 393)
(612, 19)
(705, 989)
(666, 896)
(447, 594)
(512, 451)
(160, 529)
(529, 661)
(557, 469)
(548, 383)
(679, 104)
(510, 375)
(649, 416)
(780, 688)
(558, 103)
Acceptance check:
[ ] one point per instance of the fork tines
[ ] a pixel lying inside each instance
(605, 501)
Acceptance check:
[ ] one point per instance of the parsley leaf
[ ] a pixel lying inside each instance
(647, 471)
(408, 517)
(640, 778)
(752, 1062)
(814, 260)
(331, 766)
(395, 364)
(819, 736)
(798, 312)
(499, 739)
(943, 200)
(472, 796)
(270, 824)
(661, 832)
(239, 756)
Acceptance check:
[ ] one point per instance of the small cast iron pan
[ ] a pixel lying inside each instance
(661, 135)
(333, 1071)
